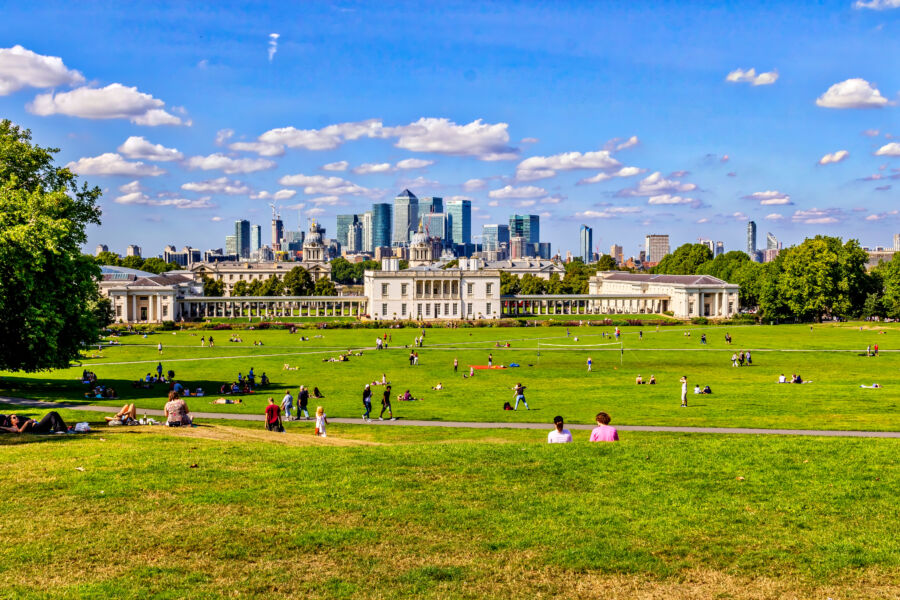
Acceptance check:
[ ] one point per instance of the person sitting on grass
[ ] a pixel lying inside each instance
(263, 380)
(177, 412)
(317, 393)
(226, 401)
(439, 386)
(652, 380)
(782, 378)
(50, 423)
(874, 386)
(406, 397)
(638, 380)
(559, 435)
(128, 413)
(603, 432)
(697, 389)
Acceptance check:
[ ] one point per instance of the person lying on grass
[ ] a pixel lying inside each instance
(50, 423)
(128, 412)
(226, 401)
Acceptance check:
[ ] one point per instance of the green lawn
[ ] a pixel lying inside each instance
(378, 512)
(832, 356)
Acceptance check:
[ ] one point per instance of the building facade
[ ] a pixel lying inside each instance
(382, 225)
(526, 226)
(242, 238)
(460, 213)
(586, 237)
(686, 296)
(751, 239)
(406, 217)
(656, 247)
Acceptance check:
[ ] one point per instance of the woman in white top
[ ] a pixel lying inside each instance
(559, 435)
(321, 422)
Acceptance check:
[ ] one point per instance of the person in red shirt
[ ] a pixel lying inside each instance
(273, 416)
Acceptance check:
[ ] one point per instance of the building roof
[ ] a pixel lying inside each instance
(407, 194)
(655, 278)
(524, 263)
(113, 270)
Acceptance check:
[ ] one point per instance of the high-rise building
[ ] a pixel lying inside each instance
(751, 239)
(541, 250)
(656, 246)
(431, 205)
(709, 244)
(255, 238)
(772, 242)
(897, 242)
(517, 247)
(231, 245)
(365, 220)
(277, 232)
(354, 243)
(437, 225)
(720, 248)
(242, 235)
(494, 236)
(406, 217)
(616, 252)
(586, 235)
(460, 213)
(344, 222)
(101, 248)
(381, 225)
(133, 250)
(527, 226)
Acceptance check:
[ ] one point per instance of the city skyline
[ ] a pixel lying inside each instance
(203, 116)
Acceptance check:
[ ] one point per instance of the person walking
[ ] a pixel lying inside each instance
(367, 402)
(490, 360)
(287, 404)
(159, 370)
(159, 347)
(415, 359)
(211, 344)
(303, 400)
(520, 395)
(455, 364)
(684, 392)
(321, 422)
(386, 404)
(273, 416)
(202, 341)
(589, 364)
(411, 357)
(749, 359)
(733, 359)
(875, 348)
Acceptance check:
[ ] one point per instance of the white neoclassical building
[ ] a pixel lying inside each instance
(428, 292)
(138, 296)
(684, 295)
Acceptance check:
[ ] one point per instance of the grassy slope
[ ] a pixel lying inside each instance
(433, 514)
(557, 381)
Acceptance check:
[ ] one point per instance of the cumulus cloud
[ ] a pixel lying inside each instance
(876, 4)
(892, 149)
(617, 143)
(739, 216)
(222, 185)
(279, 195)
(529, 140)
(340, 165)
(327, 200)
(369, 168)
(750, 76)
(485, 141)
(510, 192)
(623, 172)
(816, 216)
(21, 68)
(414, 163)
(223, 135)
(770, 198)
(871, 133)
(834, 157)
(261, 148)
(852, 93)
(610, 212)
(111, 163)
(543, 167)
(138, 147)
(114, 101)
(322, 185)
(134, 193)
(219, 161)
(774, 217)
(655, 184)
(474, 184)
(672, 199)
(273, 45)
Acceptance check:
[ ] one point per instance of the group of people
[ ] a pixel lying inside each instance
(640, 380)
(795, 378)
(274, 421)
(603, 432)
(739, 359)
(385, 402)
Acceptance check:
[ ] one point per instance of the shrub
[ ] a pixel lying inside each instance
(700, 321)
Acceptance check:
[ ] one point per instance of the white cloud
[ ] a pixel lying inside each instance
(610, 212)
(871, 133)
(629, 143)
(111, 163)
(834, 157)
(221, 185)
(327, 200)
(494, 203)
(529, 140)
(327, 138)
(883, 215)
(526, 191)
(669, 199)
(223, 135)
(138, 147)
(485, 141)
(526, 203)
(770, 198)
(273, 45)
(623, 172)
(774, 217)
(219, 161)
(133, 193)
(414, 163)
(340, 165)
(655, 184)
(21, 68)
(892, 149)
(750, 76)
(217, 218)
(816, 216)
(369, 168)
(285, 194)
(542, 167)
(261, 148)
(474, 184)
(739, 216)
(454, 198)
(876, 4)
(314, 212)
(114, 101)
(852, 93)
(322, 185)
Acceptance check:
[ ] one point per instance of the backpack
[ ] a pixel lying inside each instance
(507, 406)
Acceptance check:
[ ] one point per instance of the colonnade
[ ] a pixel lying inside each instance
(236, 307)
(573, 305)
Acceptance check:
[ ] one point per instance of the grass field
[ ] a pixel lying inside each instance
(832, 356)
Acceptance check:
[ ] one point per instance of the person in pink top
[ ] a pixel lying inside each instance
(603, 432)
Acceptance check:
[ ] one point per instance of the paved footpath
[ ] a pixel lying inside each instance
(40, 405)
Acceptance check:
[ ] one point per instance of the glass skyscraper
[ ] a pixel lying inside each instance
(437, 225)
(406, 217)
(460, 213)
(526, 226)
(344, 222)
(494, 235)
(431, 205)
(242, 238)
(255, 238)
(587, 242)
(381, 225)
(751, 239)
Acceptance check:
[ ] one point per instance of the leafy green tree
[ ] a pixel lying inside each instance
(255, 288)
(158, 265)
(298, 282)
(606, 263)
(272, 287)
(451, 264)
(213, 288)
(133, 262)
(49, 294)
(889, 275)
(108, 258)
(509, 284)
(532, 285)
(686, 259)
(325, 287)
(343, 271)
(241, 288)
(404, 264)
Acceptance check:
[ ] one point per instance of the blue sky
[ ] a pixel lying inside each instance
(632, 118)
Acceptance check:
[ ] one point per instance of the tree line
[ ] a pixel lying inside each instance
(150, 265)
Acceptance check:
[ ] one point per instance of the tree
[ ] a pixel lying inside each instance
(889, 274)
(213, 287)
(298, 282)
(272, 287)
(108, 258)
(241, 288)
(159, 266)
(686, 259)
(531, 285)
(132, 262)
(509, 284)
(49, 293)
(342, 271)
(325, 287)
(452, 264)
(606, 263)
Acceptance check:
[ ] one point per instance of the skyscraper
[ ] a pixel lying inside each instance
(406, 217)
(133, 250)
(517, 246)
(242, 238)
(616, 252)
(656, 246)
(587, 243)
(366, 222)
(720, 248)
(751, 239)
(897, 242)
(354, 238)
(772, 242)
(255, 238)
(431, 205)
(460, 213)
(437, 225)
(381, 225)
(231, 245)
(277, 231)
(527, 226)
(709, 244)
(344, 222)
(492, 236)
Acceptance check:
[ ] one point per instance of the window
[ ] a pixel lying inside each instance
(488, 307)
(470, 287)
(437, 310)
(403, 287)
(384, 289)
(446, 308)
(469, 307)
(403, 310)
(455, 307)
(231, 277)
(165, 310)
(384, 310)
(118, 311)
(427, 309)
(487, 289)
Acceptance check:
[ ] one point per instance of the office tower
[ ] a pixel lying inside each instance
(460, 213)
(751, 239)
(541, 250)
(517, 246)
(656, 246)
(720, 248)
(406, 217)
(431, 205)
(365, 220)
(382, 218)
(133, 250)
(616, 252)
(437, 225)
(897, 242)
(709, 244)
(354, 243)
(101, 248)
(772, 242)
(277, 231)
(527, 226)
(344, 222)
(230, 245)
(242, 235)
(255, 238)
(587, 242)
(493, 236)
